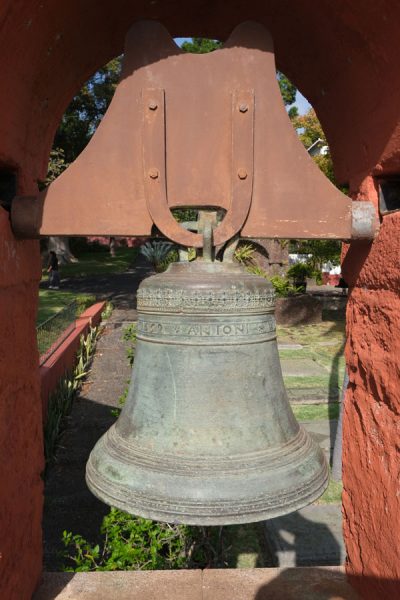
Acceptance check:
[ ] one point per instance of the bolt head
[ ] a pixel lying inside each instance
(153, 105)
(243, 108)
(242, 173)
(153, 173)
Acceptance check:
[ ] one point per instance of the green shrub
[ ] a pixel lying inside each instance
(107, 311)
(129, 543)
(129, 335)
(158, 253)
(300, 271)
(244, 254)
(283, 288)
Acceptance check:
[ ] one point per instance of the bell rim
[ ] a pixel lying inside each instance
(170, 510)
(211, 506)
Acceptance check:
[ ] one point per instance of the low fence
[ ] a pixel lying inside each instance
(52, 332)
(61, 356)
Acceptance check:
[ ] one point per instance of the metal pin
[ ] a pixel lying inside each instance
(153, 105)
(243, 108)
(242, 173)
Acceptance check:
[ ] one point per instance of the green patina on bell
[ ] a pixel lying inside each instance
(207, 435)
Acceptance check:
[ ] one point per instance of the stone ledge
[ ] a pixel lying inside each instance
(302, 583)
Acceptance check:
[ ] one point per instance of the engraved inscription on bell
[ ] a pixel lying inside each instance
(233, 328)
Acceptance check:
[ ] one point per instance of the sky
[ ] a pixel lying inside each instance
(302, 104)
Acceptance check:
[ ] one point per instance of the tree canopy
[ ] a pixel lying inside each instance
(310, 130)
(201, 45)
(86, 110)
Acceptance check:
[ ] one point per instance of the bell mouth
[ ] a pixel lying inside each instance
(213, 496)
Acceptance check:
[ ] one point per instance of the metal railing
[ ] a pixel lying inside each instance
(52, 332)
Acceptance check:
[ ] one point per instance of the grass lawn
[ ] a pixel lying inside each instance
(52, 301)
(321, 343)
(99, 262)
(316, 412)
(332, 494)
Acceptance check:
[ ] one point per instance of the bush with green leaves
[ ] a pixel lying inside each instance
(132, 543)
(300, 271)
(244, 254)
(128, 543)
(283, 288)
(158, 253)
(129, 335)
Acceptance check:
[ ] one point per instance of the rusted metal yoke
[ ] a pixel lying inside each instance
(188, 130)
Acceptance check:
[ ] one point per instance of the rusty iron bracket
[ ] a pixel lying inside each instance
(155, 176)
(182, 131)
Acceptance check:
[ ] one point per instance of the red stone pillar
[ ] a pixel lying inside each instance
(371, 426)
(21, 444)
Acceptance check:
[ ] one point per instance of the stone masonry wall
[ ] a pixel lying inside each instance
(20, 418)
(371, 432)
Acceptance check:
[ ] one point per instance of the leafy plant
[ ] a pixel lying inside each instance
(106, 314)
(244, 254)
(129, 543)
(281, 285)
(257, 270)
(60, 402)
(299, 271)
(129, 335)
(283, 288)
(185, 214)
(172, 256)
(156, 253)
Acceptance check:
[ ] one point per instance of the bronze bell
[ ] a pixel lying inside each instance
(207, 435)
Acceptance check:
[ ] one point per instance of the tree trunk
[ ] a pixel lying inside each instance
(60, 245)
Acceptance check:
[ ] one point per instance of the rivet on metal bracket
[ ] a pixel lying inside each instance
(153, 173)
(153, 105)
(242, 173)
(243, 108)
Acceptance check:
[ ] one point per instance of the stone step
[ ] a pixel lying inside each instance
(211, 584)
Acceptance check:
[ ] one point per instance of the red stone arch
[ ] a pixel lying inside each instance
(344, 57)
